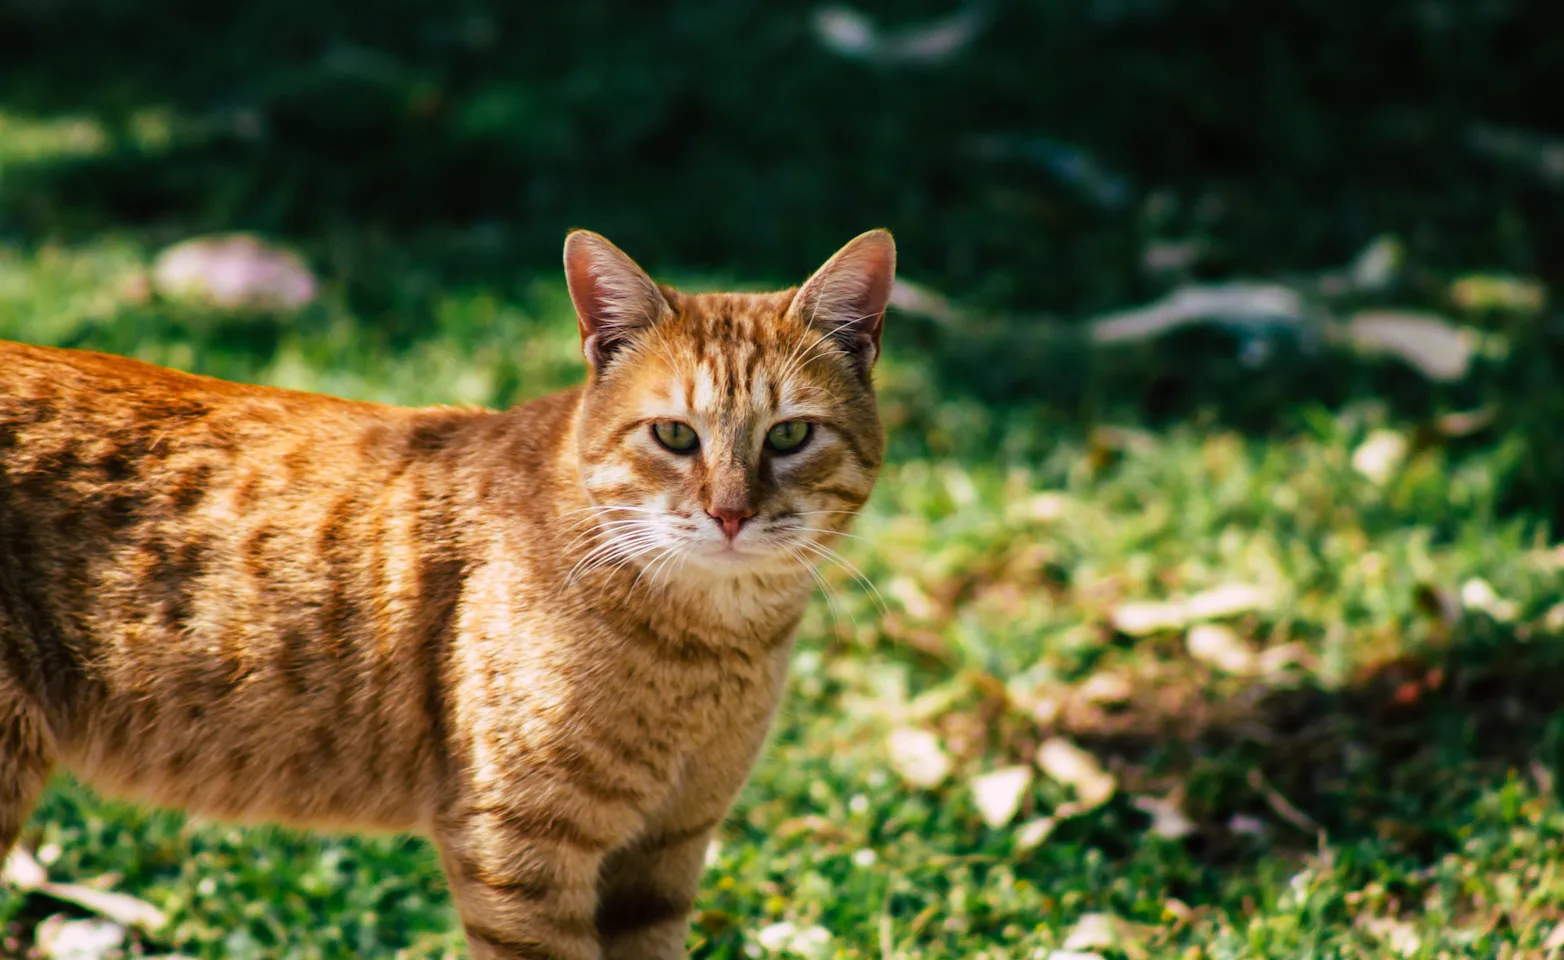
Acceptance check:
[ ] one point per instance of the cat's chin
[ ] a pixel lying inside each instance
(734, 559)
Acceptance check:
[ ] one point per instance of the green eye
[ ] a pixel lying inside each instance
(676, 436)
(787, 436)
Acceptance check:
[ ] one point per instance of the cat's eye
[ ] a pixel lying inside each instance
(787, 436)
(676, 436)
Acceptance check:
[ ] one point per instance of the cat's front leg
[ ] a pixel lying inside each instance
(26, 757)
(524, 879)
(647, 891)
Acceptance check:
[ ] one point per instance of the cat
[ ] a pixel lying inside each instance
(552, 638)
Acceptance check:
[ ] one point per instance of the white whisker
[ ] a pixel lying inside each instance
(834, 533)
(828, 554)
(825, 588)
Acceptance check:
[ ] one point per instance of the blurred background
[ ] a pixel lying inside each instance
(1209, 604)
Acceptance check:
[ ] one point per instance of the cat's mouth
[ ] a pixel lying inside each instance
(732, 550)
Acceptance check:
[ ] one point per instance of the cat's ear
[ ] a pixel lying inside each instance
(614, 297)
(847, 297)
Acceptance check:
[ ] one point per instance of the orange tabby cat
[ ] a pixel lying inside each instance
(550, 638)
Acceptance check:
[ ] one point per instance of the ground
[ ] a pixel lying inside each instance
(1366, 758)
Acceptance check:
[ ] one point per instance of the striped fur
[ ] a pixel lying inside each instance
(525, 634)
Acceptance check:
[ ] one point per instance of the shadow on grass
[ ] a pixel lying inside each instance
(1393, 758)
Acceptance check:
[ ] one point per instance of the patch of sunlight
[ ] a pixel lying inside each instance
(28, 139)
(49, 291)
(25, 139)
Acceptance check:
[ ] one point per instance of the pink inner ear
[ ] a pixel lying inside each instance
(853, 289)
(585, 291)
(612, 295)
(879, 273)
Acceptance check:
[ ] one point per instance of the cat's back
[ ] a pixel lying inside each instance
(54, 393)
(181, 555)
(105, 460)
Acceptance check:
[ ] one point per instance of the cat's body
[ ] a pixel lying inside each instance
(265, 605)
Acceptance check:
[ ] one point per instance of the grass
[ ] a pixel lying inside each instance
(1376, 778)
(1391, 789)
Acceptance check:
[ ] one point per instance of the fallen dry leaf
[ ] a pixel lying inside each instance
(1040, 507)
(1277, 659)
(1380, 455)
(848, 32)
(1092, 931)
(1063, 761)
(918, 757)
(1141, 618)
(1237, 305)
(26, 874)
(1495, 291)
(1105, 688)
(22, 871)
(916, 298)
(998, 794)
(1033, 833)
(1430, 344)
(1378, 264)
(1398, 935)
(1555, 942)
(1228, 600)
(1104, 931)
(790, 939)
(1221, 647)
(1167, 815)
(60, 938)
(913, 598)
(1539, 153)
(1478, 594)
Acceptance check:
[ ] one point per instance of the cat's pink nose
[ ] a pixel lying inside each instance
(731, 518)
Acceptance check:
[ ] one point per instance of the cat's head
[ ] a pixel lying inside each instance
(727, 432)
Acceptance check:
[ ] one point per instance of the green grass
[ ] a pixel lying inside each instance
(1418, 748)
(1389, 789)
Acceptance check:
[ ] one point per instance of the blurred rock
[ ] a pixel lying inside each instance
(234, 272)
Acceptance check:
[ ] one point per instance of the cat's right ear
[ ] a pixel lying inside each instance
(614, 297)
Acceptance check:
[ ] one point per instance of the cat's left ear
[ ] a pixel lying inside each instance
(614, 297)
(847, 297)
